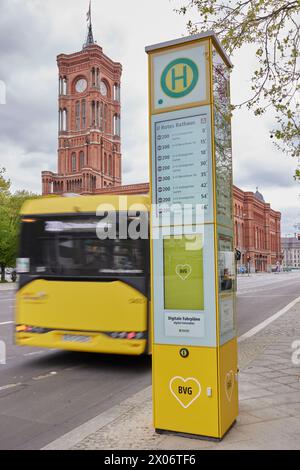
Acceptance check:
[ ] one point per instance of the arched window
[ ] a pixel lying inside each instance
(81, 159)
(77, 114)
(105, 163)
(93, 77)
(83, 113)
(73, 162)
(97, 78)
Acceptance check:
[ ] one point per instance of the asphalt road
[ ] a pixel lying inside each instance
(44, 394)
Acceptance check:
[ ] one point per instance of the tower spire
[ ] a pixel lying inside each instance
(90, 37)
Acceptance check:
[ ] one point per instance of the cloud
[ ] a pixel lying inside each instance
(33, 32)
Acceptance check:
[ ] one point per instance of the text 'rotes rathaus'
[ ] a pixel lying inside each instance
(89, 143)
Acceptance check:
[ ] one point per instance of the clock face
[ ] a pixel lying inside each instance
(81, 85)
(103, 89)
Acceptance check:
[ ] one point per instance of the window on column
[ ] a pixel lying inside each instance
(93, 113)
(97, 115)
(101, 116)
(73, 162)
(83, 112)
(81, 159)
(105, 163)
(93, 76)
(77, 113)
(60, 86)
(64, 120)
(105, 118)
(110, 165)
(65, 86)
(116, 125)
(98, 78)
(116, 92)
(60, 120)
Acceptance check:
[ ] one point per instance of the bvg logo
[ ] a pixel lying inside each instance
(179, 78)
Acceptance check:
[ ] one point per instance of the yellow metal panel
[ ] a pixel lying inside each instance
(83, 306)
(76, 205)
(181, 386)
(228, 385)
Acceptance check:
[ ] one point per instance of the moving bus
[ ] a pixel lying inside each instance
(78, 291)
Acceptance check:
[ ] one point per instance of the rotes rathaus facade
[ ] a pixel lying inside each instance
(89, 143)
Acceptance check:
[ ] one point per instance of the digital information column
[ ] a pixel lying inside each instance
(193, 278)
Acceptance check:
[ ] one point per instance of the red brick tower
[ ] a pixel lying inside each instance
(89, 144)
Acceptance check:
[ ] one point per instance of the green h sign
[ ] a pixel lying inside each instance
(179, 78)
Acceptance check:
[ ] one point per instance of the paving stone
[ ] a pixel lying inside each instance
(292, 409)
(273, 374)
(292, 371)
(247, 418)
(257, 370)
(272, 400)
(280, 388)
(271, 413)
(255, 393)
(287, 379)
(295, 386)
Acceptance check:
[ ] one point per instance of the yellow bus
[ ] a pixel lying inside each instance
(78, 291)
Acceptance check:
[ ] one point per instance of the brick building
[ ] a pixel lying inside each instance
(89, 151)
(257, 227)
(257, 230)
(89, 146)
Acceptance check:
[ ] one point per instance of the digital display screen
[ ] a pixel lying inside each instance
(183, 273)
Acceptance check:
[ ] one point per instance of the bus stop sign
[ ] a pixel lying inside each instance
(193, 278)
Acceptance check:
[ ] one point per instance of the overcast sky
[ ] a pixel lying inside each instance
(33, 32)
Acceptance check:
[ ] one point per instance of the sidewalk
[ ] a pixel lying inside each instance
(269, 392)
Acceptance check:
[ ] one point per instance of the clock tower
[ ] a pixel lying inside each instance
(89, 124)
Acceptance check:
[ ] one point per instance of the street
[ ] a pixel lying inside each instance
(44, 394)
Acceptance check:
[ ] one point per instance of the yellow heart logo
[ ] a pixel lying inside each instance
(229, 384)
(186, 391)
(183, 271)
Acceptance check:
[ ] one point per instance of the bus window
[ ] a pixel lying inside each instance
(61, 248)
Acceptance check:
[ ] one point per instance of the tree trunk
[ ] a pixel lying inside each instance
(2, 273)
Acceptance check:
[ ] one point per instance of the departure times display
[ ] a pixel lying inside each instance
(182, 162)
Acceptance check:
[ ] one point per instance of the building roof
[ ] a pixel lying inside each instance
(259, 196)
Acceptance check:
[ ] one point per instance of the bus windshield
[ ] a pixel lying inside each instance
(69, 247)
